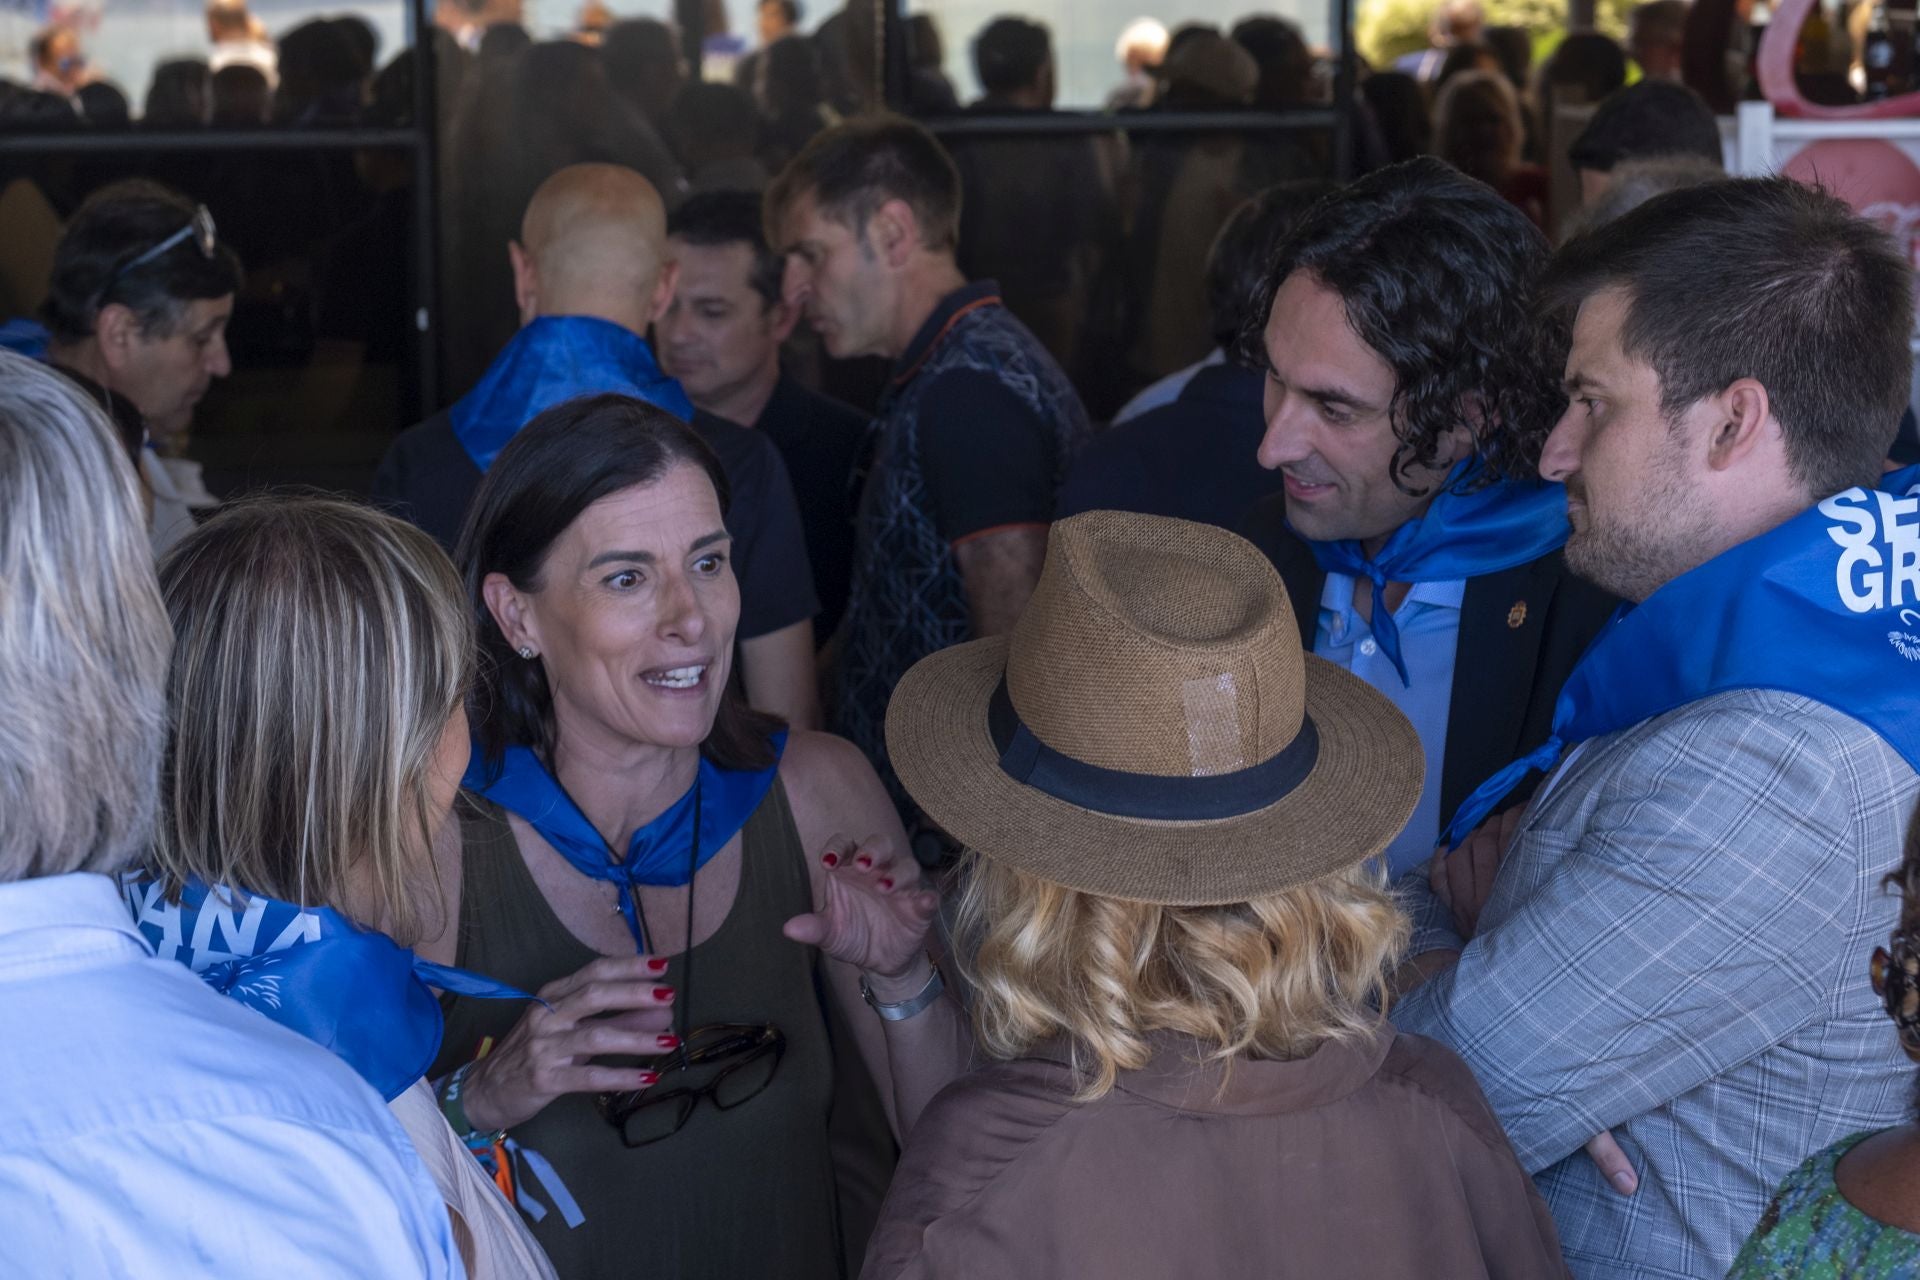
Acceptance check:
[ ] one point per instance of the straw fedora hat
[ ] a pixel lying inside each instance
(1151, 729)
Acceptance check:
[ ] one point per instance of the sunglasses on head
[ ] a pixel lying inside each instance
(200, 231)
(747, 1057)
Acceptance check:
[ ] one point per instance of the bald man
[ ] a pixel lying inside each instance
(591, 275)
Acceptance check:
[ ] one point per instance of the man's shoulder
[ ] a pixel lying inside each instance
(205, 1114)
(1776, 711)
(182, 1053)
(732, 443)
(430, 442)
(804, 415)
(428, 478)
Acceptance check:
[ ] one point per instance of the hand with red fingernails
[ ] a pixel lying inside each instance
(875, 915)
(616, 1006)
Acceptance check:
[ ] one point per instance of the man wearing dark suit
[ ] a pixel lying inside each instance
(1408, 394)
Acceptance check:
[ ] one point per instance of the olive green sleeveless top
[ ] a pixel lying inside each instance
(750, 1191)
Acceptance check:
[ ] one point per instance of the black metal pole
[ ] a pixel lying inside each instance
(1344, 84)
(426, 212)
(895, 65)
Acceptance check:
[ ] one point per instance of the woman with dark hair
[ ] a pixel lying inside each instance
(1478, 129)
(627, 816)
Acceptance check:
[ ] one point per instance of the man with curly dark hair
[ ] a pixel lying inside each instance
(1408, 393)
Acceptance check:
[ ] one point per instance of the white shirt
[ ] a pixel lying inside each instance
(1168, 389)
(151, 1127)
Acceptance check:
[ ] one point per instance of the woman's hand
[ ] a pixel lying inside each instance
(549, 1051)
(874, 913)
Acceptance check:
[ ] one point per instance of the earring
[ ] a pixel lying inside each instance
(526, 651)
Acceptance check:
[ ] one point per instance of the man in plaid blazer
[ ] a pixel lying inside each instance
(1668, 966)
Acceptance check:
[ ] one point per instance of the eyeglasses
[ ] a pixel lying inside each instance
(1896, 980)
(748, 1057)
(200, 231)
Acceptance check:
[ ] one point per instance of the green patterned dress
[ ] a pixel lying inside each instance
(1810, 1232)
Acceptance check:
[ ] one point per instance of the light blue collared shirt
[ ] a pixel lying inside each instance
(152, 1127)
(1429, 622)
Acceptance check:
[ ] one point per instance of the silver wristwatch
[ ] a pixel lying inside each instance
(906, 1008)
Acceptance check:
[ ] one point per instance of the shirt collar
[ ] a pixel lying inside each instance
(1179, 1076)
(1446, 593)
(54, 918)
(935, 326)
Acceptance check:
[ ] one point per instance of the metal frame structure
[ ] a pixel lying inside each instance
(421, 139)
(418, 138)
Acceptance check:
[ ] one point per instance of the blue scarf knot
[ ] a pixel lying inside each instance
(1825, 606)
(660, 853)
(1462, 534)
(551, 361)
(350, 990)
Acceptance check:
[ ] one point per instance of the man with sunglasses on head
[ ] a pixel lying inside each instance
(138, 303)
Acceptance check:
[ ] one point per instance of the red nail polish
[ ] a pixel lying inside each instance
(669, 1042)
(886, 882)
(863, 862)
(649, 1078)
(663, 993)
(831, 859)
(656, 966)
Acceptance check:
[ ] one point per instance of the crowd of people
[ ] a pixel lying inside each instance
(1429, 786)
(1095, 238)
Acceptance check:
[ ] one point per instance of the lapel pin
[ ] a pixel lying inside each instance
(1517, 615)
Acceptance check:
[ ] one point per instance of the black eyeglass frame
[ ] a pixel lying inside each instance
(750, 1042)
(201, 230)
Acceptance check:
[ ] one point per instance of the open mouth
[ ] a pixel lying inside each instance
(1299, 488)
(676, 679)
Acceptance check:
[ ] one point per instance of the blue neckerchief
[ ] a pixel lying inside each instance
(1461, 535)
(1826, 606)
(551, 361)
(350, 990)
(658, 852)
(25, 337)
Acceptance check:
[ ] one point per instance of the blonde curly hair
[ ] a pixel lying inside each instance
(1271, 978)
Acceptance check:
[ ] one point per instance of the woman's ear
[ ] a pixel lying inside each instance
(512, 611)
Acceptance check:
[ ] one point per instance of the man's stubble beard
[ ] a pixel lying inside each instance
(1636, 554)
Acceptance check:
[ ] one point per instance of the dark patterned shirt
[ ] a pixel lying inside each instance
(975, 432)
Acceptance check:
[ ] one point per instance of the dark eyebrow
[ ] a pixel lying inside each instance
(617, 557)
(647, 557)
(1578, 381)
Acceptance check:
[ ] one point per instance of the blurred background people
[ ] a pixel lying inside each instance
(1477, 129)
(721, 338)
(1181, 447)
(1455, 23)
(1140, 49)
(59, 64)
(240, 40)
(1656, 34)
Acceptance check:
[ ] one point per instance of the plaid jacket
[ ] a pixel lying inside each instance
(1676, 950)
